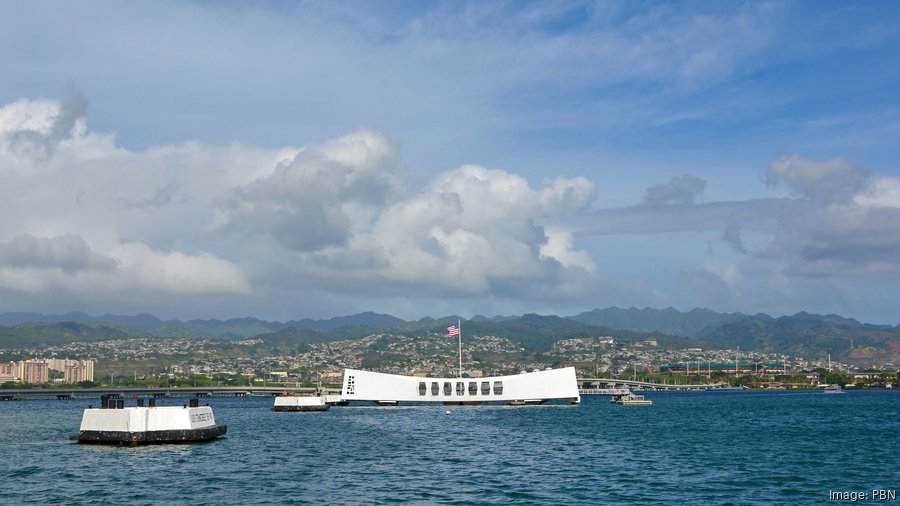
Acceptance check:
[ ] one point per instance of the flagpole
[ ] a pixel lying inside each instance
(459, 326)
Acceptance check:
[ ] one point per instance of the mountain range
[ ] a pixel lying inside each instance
(803, 334)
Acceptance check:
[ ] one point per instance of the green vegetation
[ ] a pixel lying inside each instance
(802, 335)
(33, 335)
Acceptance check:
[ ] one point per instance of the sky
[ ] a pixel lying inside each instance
(288, 160)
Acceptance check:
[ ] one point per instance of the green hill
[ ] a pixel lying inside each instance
(809, 336)
(667, 321)
(803, 334)
(34, 335)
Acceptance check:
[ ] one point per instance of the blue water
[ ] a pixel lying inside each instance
(689, 448)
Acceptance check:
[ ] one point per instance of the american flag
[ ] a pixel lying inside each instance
(453, 330)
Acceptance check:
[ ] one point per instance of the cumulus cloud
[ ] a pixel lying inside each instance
(842, 220)
(69, 253)
(178, 272)
(84, 219)
(725, 284)
(839, 230)
(475, 229)
(341, 218)
(345, 219)
(67, 264)
(683, 189)
(829, 182)
(158, 197)
(36, 128)
(851, 225)
(320, 197)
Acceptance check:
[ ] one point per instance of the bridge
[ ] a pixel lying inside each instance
(610, 386)
(157, 392)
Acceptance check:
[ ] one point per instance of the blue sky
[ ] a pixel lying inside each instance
(308, 159)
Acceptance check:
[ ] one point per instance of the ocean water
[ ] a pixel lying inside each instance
(688, 448)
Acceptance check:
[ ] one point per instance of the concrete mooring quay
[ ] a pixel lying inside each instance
(156, 392)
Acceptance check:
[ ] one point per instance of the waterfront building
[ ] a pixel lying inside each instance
(77, 372)
(34, 371)
(9, 371)
(74, 371)
(58, 364)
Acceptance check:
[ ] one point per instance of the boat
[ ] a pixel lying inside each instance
(833, 389)
(113, 423)
(518, 389)
(300, 402)
(630, 399)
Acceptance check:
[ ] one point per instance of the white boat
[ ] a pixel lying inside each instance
(833, 389)
(630, 399)
(299, 402)
(518, 389)
(113, 423)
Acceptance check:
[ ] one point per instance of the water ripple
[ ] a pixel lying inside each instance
(734, 448)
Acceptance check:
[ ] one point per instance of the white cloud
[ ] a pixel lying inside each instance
(828, 182)
(67, 265)
(178, 273)
(341, 217)
(559, 246)
(36, 128)
(683, 189)
(345, 220)
(850, 227)
(746, 288)
(69, 253)
(320, 197)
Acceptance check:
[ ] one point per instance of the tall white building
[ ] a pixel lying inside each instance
(78, 371)
(34, 371)
(38, 370)
(9, 371)
(74, 371)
